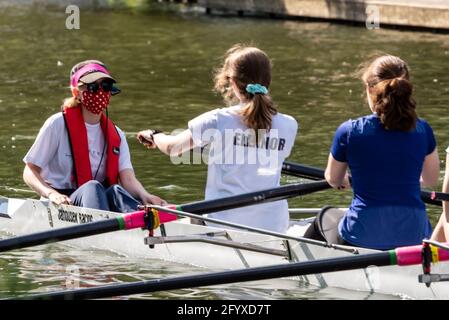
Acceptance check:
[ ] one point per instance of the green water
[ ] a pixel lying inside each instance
(163, 61)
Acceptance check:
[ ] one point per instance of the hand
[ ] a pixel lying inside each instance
(57, 198)
(152, 199)
(146, 138)
(346, 184)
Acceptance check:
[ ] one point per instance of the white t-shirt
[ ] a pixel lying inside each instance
(51, 152)
(237, 164)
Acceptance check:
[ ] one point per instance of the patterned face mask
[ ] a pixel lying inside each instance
(96, 102)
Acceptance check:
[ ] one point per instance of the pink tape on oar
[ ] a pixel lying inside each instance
(413, 255)
(136, 219)
(443, 254)
(167, 216)
(409, 255)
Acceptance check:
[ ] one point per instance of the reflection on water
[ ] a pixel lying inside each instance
(58, 267)
(163, 62)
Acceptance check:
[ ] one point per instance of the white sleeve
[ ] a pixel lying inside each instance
(200, 124)
(45, 146)
(125, 156)
(294, 132)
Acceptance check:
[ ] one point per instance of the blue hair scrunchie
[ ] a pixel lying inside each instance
(256, 88)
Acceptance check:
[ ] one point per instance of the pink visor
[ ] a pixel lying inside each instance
(89, 69)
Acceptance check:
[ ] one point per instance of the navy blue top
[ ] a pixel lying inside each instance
(386, 210)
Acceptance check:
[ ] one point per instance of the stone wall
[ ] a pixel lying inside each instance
(413, 13)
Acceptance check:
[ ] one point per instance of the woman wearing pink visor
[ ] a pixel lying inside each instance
(80, 157)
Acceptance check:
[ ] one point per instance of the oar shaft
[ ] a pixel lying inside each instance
(61, 234)
(302, 171)
(247, 199)
(225, 277)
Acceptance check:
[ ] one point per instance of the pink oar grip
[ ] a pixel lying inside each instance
(167, 216)
(135, 220)
(409, 255)
(413, 255)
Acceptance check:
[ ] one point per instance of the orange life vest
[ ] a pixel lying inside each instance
(77, 133)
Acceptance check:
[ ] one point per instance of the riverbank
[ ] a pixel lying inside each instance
(409, 14)
(433, 14)
(80, 3)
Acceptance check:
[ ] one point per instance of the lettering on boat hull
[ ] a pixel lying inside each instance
(50, 219)
(74, 217)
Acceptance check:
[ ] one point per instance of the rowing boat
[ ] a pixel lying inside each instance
(221, 249)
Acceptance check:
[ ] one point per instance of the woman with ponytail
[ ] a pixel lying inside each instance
(390, 154)
(80, 157)
(248, 141)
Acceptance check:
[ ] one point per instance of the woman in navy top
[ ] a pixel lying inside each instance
(390, 154)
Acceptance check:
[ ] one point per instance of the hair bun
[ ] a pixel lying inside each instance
(400, 87)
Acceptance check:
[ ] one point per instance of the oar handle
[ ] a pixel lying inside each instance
(302, 171)
(435, 196)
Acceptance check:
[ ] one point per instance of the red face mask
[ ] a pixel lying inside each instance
(96, 102)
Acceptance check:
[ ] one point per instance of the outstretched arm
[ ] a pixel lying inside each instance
(169, 144)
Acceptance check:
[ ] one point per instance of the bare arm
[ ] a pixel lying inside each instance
(336, 173)
(32, 177)
(129, 181)
(431, 169)
(174, 145)
(441, 232)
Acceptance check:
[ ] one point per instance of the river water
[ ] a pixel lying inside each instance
(163, 60)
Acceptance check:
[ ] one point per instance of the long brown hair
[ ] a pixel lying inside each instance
(247, 65)
(387, 78)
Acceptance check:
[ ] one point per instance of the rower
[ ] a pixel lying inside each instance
(248, 141)
(79, 156)
(386, 152)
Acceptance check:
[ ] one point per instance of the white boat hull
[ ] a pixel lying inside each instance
(28, 216)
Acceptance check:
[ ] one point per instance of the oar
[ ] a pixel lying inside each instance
(302, 171)
(123, 222)
(137, 219)
(312, 173)
(247, 199)
(401, 257)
